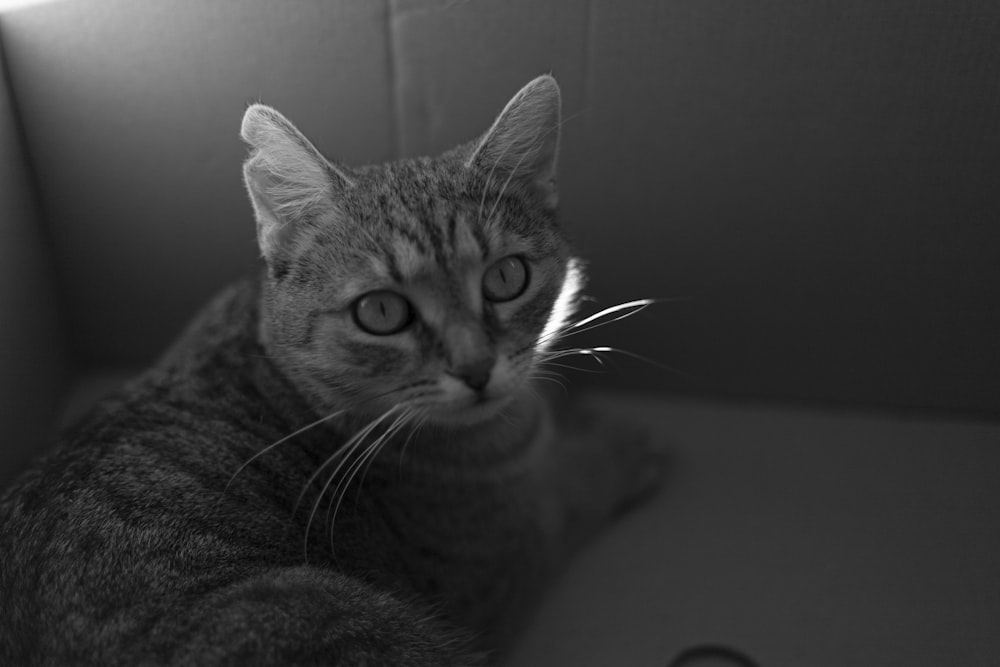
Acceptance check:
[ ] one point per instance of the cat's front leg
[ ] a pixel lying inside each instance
(307, 616)
(597, 465)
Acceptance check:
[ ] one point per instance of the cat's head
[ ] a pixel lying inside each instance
(428, 283)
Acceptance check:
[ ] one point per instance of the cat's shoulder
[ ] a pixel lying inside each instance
(201, 398)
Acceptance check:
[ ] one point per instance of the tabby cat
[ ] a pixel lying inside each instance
(343, 460)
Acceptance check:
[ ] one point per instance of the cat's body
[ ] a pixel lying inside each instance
(194, 519)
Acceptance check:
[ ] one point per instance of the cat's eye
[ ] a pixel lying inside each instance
(505, 279)
(382, 313)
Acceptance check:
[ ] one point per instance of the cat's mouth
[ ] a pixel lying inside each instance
(472, 409)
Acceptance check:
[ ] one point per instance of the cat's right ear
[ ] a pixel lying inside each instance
(290, 182)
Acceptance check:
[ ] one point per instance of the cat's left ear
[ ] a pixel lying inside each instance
(289, 181)
(522, 146)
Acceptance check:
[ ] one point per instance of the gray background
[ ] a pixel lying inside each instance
(818, 179)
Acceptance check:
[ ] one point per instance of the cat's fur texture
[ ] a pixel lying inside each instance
(193, 519)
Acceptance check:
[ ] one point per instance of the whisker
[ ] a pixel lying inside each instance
(342, 449)
(353, 468)
(369, 453)
(339, 452)
(543, 373)
(557, 381)
(647, 360)
(595, 352)
(299, 431)
(571, 352)
(572, 368)
(580, 326)
(637, 305)
(632, 307)
(383, 440)
(347, 449)
(364, 460)
(275, 444)
(421, 420)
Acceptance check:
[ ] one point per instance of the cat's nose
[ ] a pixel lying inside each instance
(476, 374)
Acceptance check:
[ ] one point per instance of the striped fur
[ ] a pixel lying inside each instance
(283, 488)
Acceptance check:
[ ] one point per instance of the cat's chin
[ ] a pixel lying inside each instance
(470, 413)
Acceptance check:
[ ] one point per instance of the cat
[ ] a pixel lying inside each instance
(344, 459)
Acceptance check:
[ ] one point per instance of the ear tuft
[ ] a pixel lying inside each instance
(522, 146)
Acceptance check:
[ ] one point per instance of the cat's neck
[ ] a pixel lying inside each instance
(494, 448)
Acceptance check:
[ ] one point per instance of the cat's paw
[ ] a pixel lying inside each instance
(631, 460)
(606, 465)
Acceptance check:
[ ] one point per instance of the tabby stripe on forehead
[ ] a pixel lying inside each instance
(436, 239)
(408, 234)
(393, 265)
(480, 237)
(452, 222)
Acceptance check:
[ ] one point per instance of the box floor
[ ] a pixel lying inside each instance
(802, 538)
